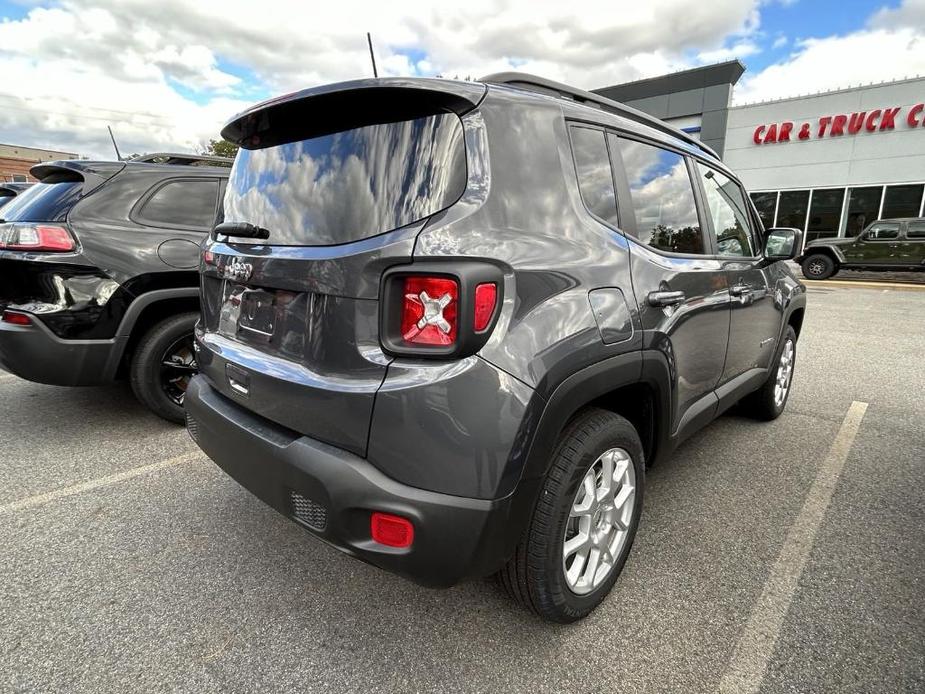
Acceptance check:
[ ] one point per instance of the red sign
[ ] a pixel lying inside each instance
(878, 120)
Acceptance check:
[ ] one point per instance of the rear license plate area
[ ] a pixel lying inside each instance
(257, 315)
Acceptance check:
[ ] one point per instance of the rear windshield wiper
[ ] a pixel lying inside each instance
(244, 229)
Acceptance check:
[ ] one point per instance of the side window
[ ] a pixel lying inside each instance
(595, 179)
(663, 198)
(729, 213)
(182, 203)
(916, 230)
(883, 231)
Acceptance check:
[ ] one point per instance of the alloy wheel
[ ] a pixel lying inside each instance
(784, 373)
(177, 367)
(815, 268)
(599, 521)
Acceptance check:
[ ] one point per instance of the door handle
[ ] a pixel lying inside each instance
(662, 298)
(740, 290)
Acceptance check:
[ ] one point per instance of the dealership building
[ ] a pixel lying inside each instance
(826, 163)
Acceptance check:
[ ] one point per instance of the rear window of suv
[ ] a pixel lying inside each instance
(43, 202)
(349, 185)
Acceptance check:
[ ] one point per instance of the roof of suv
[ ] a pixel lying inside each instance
(249, 128)
(103, 169)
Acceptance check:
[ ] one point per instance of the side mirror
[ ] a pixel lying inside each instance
(783, 244)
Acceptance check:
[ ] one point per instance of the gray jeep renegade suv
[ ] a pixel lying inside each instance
(447, 325)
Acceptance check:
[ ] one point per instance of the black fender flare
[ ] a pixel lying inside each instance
(825, 248)
(589, 384)
(131, 316)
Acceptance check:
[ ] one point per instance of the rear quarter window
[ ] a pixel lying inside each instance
(349, 185)
(181, 203)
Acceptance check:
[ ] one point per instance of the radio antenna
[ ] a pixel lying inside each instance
(114, 145)
(372, 56)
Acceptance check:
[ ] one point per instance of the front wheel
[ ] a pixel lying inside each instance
(818, 267)
(769, 401)
(585, 520)
(163, 364)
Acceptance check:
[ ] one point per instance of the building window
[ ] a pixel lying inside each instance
(791, 210)
(825, 213)
(902, 201)
(863, 208)
(766, 204)
(19, 178)
(663, 198)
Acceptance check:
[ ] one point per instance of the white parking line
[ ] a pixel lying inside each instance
(749, 662)
(109, 480)
(4, 377)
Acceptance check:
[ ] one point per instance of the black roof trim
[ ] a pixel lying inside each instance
(546, 86)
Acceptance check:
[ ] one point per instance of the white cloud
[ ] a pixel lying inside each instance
(159, 71)
(837, 62)
(156, 70)
(740, 50)
(910, 14)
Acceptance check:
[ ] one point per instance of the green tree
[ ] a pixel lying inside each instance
(220, 148)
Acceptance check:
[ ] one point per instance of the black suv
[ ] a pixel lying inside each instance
(446, 325)
(887, 244)
(98, 273)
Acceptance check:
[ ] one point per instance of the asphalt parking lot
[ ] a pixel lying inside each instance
(781, 557)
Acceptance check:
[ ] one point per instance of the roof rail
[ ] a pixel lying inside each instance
(180, 159)
(546, 86)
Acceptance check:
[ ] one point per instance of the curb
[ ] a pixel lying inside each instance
(864, 284)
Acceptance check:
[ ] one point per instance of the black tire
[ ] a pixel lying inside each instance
(818, 266)
(763, 403)
(535, 575)
(151, 382)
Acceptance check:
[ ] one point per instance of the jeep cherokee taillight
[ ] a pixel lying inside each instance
(45, 238)
(439, 309)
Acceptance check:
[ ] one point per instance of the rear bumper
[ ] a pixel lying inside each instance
(35, 353)
(335, 492)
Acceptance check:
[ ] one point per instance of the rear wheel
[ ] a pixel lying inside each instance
(818, 267)
(585, 520)
(163, 364)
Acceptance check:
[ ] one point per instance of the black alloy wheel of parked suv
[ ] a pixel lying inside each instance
(98, 273)
(446, 326)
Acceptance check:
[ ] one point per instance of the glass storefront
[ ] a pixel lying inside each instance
(766, 204)
(791, 209)
(902, 201)
(863, 208)
(825, 212)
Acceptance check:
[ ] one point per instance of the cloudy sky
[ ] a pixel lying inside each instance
(167, 74)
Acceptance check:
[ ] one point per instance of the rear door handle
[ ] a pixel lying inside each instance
(662, 298)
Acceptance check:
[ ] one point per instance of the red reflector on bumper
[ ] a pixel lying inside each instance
(16, 318)
(391, 531)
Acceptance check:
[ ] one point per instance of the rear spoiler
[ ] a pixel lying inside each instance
(345, 105)
(92, 173)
